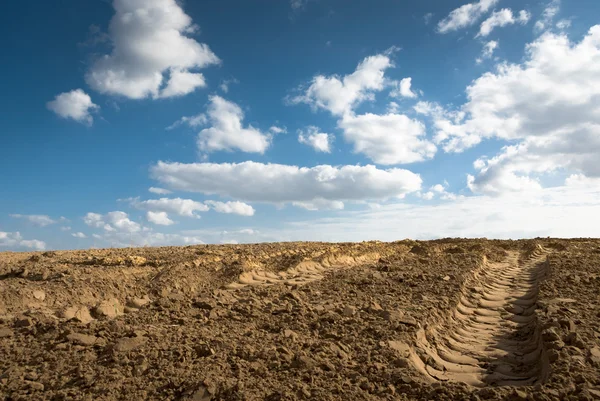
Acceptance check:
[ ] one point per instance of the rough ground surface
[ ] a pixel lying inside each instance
(438, 320)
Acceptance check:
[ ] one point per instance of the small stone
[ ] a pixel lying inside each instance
(594, 357)
(110, 308)
(392, 316)
(129, 344)
(349, 311)
(35, 385)
(290, 334)
(5, 332)
(138, 303)
(80, 314)
(575, 340)
(303, 362)
(446, 278)
(409, 321)
(550, 334)
(39, 295)
(82, 339)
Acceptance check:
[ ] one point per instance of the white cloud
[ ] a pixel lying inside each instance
(488, 50)
(181, 83)
(464, 16)
(340, 95)
(226, 131)
(320, 204)
(160, 218)
(502, 18)
(193, 121)
(149, 40)
(387, 139)
(225, 84)
(159, 191)
(38, 219)
(76, 104)
(33, 244)
(548, 15)
(549, 106)
(402, 89)
(65, 228)
(234, 207)
(147, 238)
(178, 206)
(524, 17)
(79, 235)
(319, 141)
(280, 184)
(15, 241)
(563, 24)
(556, 212)
(393, 108)
(116, 221)
(277, 130)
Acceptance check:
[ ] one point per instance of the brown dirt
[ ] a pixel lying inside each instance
(438, 320)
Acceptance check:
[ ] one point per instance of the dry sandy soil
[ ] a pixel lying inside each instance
(439, 320)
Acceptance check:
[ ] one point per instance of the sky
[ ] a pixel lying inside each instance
(166, 122)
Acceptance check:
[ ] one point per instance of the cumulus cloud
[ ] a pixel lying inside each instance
(387, 139)
(319, 141)
(227, 131)
(116, 221)
(502, 18)
(79, 235)
(151, 55)
(488, 50)
(181, 83)
(280, 184)
(178, 206)
(232, 207)
(339, 95)
(465, 16)
(14, 240)
(75, 104)
(159, 191)
(402, 89)
(38, 219)
(160, 218)
(549, 105)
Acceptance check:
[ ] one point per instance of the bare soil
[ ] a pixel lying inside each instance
(449, 319)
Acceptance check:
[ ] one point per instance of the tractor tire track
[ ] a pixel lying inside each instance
(492, 337)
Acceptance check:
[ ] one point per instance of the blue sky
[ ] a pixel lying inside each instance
(163, 122)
